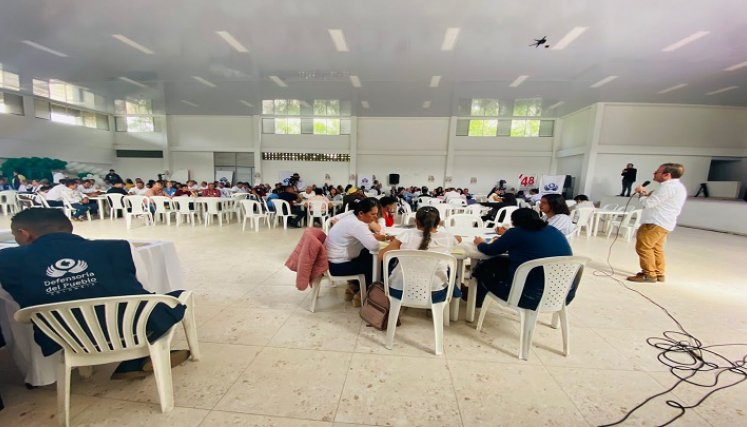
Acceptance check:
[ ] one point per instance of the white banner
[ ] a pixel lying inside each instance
(365, 181)
(552, 184)
(527, 181)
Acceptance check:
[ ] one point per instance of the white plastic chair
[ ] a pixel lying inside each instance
(182, 210)
(407, 215)
(69, 209)
(8, 201)
(270, 214)
(316, 286)
(584, 219)
(475, 210)
(26, 201)
(93, 332)
(139, 207)
(463, 221)
(434, 201)
(502, 217)
(164, 208)
(253, 213)
(560, 274)
(570, 203)
(628, 224)
(282, 211)
(213, 207)
(115, 205)
(418, 270)
(316, 209)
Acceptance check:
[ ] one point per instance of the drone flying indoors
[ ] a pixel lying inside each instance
(539, 42)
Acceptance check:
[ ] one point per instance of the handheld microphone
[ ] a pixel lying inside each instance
(645, 183)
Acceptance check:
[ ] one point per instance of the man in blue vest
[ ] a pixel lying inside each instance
(54, 265)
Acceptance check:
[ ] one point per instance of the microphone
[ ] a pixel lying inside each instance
(645, 183)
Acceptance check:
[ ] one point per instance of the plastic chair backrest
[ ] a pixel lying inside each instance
(182, 204)
(115, 200)
(137, 204)
(504, 214)
(96, 325)
(434, 201)
(40, 201)
(240, 196)
(609, 207)
(570, 203)
(212, 204)
(281, 207)
(318, 208)
(264, 205)
(161, 202)
(584, 216)
(458, 202)
(631, 218)
(406, 208)
(560, 274)
(251, 208)
(418, 270)
(464, 221)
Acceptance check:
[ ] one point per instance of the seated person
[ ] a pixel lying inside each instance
(117, 188)
(388, 211)
(425, 238)
(139, 188)
(353, 194)
(582, 201)
(350, 242)
(557, 213)
(508, 200)
(88, 188)
(530, 238)
(210, 191)
(534, 196)
(291, 196)
(170, 188)
(106, 268)
(308, 193)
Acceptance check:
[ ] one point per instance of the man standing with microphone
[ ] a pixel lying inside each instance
(660, 211)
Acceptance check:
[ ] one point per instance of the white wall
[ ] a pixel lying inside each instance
(571, 165)
(211, 133)
(199, 163)
(412, 169)
(376, 134)
(311, 172)
(576, 129)
(490, 169)
(306, 143)
(138, 168)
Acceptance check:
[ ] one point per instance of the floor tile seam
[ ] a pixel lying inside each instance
(151, 404)
(348, 371)
(238, 377)
(230, 411)
(568, 396)
(453, 389)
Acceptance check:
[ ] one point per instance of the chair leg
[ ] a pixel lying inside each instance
(555, 320)
(564, 329)
(243, 225)
(437, 312)
(528, 322)
(128, 221)
(63, 392)
(160, 355)
(316, 287)
(190, 324)
(394, 307)
(483, 311)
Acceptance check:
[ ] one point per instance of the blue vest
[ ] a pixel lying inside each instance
(61, 267)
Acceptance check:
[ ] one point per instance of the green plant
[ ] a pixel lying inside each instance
(32, 167)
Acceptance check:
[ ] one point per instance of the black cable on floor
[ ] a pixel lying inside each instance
(682, 352)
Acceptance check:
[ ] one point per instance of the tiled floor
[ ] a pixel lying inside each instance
(268, 361)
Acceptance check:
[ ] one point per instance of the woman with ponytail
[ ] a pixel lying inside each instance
(425, 237)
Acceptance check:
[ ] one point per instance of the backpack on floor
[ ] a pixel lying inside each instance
(375, 310)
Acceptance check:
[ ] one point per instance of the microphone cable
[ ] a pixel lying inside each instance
(681, 351)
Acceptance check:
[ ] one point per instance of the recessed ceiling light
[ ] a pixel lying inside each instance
(569, 38)
(247, 103)
(450, 38)
(604, 81)
(687, 40)
(427, 104)
(724, 89)
(365, 104)
(670, 89)
(338, 38)
(355, 81)
(133, 82)
(44, 48)
(191, 104)
(203, 81)
(519, 80)
(133, 44)
(556, 105)
(736, 66)
(278, 81)
(435, 80)
(231, 40)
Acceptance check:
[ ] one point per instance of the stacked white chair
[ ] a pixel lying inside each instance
(418, 270)
(139, 207)
(87, 339)
(560, 275)
(253, 213)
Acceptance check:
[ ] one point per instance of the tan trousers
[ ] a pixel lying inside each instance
(649, 245)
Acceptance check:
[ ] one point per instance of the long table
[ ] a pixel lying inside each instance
(158, 270)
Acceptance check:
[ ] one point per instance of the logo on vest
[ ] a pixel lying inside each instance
(68, 275)
(66, 265)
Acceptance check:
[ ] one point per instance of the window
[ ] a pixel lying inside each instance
(525, 127)
(484, 107)
(531, 107)
(11, 104)
(326, 126)
(326, 107)
(297, 117)
(59, 113)
(523, 118)
(8, 80)
(134, 115)
(487, 127)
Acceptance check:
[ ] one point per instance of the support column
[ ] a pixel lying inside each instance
(591, 160)
(257, 149)
(450, 148)
(353, 164)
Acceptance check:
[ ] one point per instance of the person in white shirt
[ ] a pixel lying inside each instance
(309, 193)
(350, 242)
(58, 176)
(557, 213)
(659, 217)
(425, 238)
(88, 188)
(139, 188)
(451, 193)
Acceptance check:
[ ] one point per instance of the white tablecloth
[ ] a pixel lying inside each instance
(157, 259)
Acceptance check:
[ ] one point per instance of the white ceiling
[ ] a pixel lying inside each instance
(394, 48)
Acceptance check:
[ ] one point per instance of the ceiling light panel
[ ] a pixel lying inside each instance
(133, 82)
(556, 105)
(203, 81)
(247, 103)
(278, 81)
(133, 44)
(191, 104)
(686, 41)
(355, 81)
(569, 38)
(44, 48)
(604, 81)
(722, 90)
(450, 38)
(435, 81)
(427, 104)
(673, 88)
(231, 40)
(365, 104)
(338, 38)
(736, 66)
(519, 80)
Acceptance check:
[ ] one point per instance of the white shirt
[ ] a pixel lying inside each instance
(85, 190)
(563, 223)
(452, 195)
(441, 242)
(55, 193)
(347, 238)
(138, 191)
(57, 176)
(663, 206)
(307, 196)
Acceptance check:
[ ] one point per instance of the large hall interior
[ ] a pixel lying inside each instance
(416, 96)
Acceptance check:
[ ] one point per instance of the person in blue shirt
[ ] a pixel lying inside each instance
(51, 264)
(529, 239)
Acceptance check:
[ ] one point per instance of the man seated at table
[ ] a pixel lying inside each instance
(291, 196)
(67, 189)
(210, 191)
(50, 256)
(139, 188)
(117, 188)
(88, 188)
